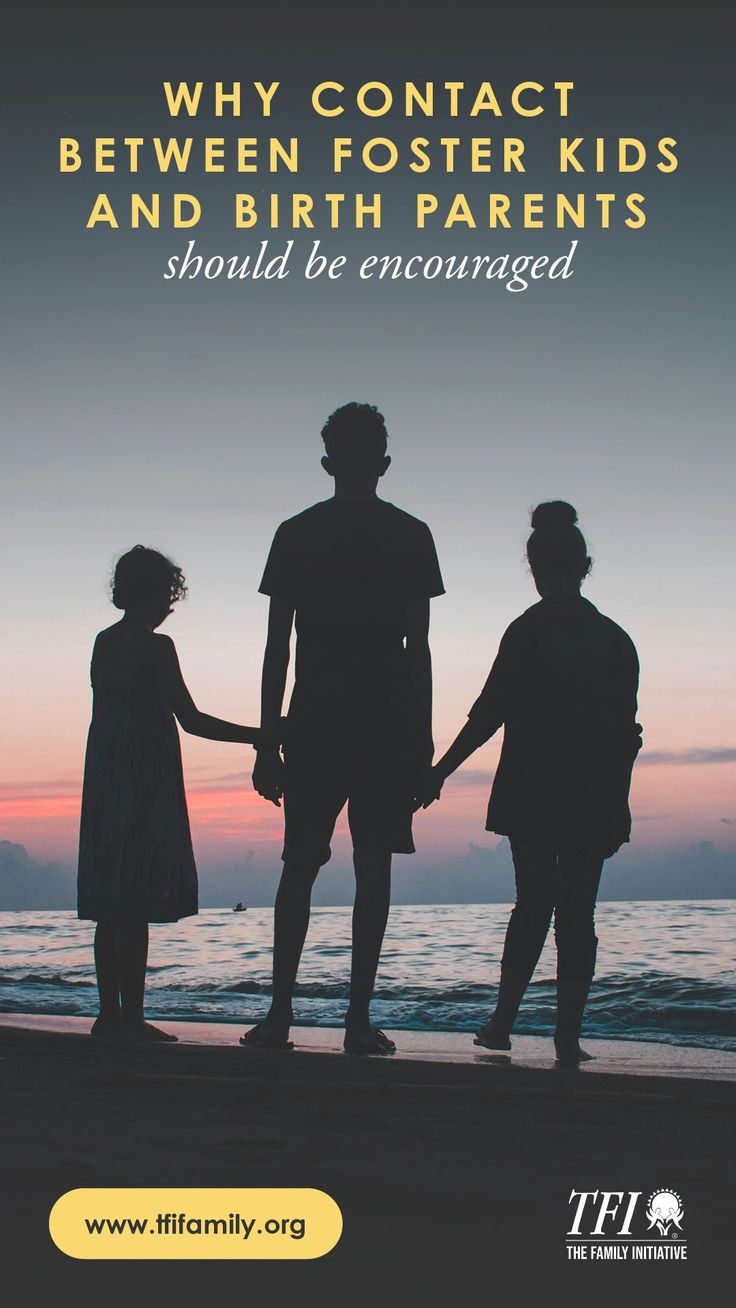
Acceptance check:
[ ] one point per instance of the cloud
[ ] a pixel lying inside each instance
(26, 885)
(471, 777)
(696, 871)
(57, 786)
(654, 757)
(479, 873)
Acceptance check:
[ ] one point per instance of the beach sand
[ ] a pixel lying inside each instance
(453, 1168)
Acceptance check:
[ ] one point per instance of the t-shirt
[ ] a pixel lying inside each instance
(564, 685)
(352, 571)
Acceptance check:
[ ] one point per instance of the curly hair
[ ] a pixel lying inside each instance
(355, 439)
(142, 575)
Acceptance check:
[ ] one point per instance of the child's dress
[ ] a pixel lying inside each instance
(135, 853)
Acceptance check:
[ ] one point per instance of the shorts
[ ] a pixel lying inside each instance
(319, 782)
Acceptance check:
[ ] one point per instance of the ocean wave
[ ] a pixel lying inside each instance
(625, 992)
(44, 979)
(664, 971)
(619, 1007)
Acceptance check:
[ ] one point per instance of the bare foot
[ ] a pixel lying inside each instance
(569, 1054)
(105, 1028)
(491, 1036)
(146, 1033)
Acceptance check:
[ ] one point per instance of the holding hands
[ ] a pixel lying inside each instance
(470, 738)
(268, 774)
(429, 788)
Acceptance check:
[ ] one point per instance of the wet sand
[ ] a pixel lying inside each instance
(453, 1171)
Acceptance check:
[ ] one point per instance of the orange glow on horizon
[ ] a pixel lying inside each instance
(672, 804)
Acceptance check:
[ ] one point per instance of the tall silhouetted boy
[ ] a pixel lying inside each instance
(357, 574)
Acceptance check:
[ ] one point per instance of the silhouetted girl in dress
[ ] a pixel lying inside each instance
(135, 856)
(564, 687)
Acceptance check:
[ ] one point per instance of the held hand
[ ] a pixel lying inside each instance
(269, 740)
(268, 776)
(429, 789)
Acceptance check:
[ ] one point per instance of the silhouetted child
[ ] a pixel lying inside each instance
(357, 575)
(564, 687)
(135, 854)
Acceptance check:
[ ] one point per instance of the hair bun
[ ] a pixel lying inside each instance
(553, 515)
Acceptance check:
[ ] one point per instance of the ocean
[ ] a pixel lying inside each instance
(666, 969)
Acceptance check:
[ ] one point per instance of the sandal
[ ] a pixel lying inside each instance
(371, 1042)
(261, 1036)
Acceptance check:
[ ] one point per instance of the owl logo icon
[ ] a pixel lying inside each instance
(665, 1211)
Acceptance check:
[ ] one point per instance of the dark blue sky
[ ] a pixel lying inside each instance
(187, 415)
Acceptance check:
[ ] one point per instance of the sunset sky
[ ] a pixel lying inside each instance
(187, 415)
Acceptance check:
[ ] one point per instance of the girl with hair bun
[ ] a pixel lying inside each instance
(135, 851)
(564, 687)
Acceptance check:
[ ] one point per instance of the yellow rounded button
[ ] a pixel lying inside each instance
(195, 1223)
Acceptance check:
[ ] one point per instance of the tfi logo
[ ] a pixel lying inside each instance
(605, 1204)
(604, 1226)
